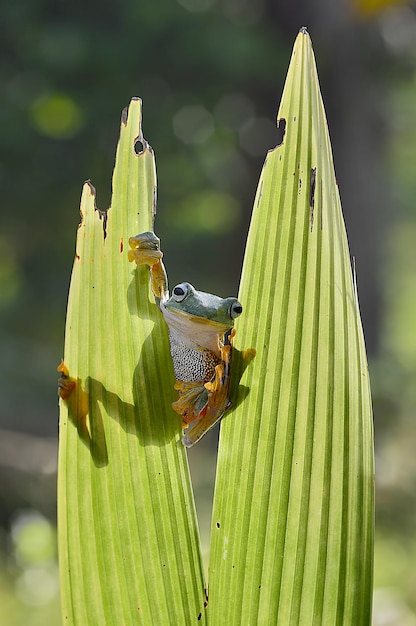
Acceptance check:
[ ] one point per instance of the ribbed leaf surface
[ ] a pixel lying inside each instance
(292, 530)
(128, 538)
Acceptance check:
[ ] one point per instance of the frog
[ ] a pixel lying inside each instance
(201, 331)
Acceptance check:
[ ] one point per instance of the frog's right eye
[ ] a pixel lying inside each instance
(235, 309)
(180, 292)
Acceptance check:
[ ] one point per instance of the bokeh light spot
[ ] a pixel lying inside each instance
(398, 29)
(57, 116)
(33, 539)
(234, 109)
(212, 212)
(258, 135)
(37, 586)
(65, 46)
(193, 124)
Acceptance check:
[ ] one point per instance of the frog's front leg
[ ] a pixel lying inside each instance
(145, 250)
(213, 395)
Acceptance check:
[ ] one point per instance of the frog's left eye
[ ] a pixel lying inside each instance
(235, 310)
(180, 292)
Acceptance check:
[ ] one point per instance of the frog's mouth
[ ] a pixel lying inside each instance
(186, 318)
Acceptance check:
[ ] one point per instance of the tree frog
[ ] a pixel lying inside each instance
(200, 329)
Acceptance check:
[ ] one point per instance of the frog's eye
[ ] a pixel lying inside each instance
(235, 310)
(180, 292)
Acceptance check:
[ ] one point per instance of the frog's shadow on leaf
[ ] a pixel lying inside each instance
(158, 432)
(241, 360)
(86, 419)
(139, 284)
(157, 424)
(151, 427)
(154, 425)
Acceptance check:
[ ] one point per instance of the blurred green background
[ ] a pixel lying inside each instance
(210, 73)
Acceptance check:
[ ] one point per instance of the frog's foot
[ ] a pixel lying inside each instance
(145, 249)
(193, 399)
(229, 336)
(70, 390)
(219, 386)
(66, 384)
(218, 400)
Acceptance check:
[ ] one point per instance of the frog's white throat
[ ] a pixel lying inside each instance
(194, 331)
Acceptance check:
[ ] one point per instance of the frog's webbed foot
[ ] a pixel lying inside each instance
(193, 398)
(213, 396)
(145, 250)
(218, 387)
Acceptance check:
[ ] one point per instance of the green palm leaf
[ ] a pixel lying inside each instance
(128, 538)
(292, 528)
(293, 511)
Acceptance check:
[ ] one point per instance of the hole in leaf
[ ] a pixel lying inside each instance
(312, 195)
(139, 146)
(312, 188)
(281, 130)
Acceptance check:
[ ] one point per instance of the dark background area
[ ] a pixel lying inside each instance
(210, 74)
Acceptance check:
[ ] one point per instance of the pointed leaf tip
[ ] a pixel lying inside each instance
(125, 111)
(135, 499)
(292, 540)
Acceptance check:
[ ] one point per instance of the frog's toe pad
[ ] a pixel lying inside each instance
(226, 353)
(216, 383)
(144, 256)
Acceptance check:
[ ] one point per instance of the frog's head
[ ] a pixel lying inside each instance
(203, 307)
